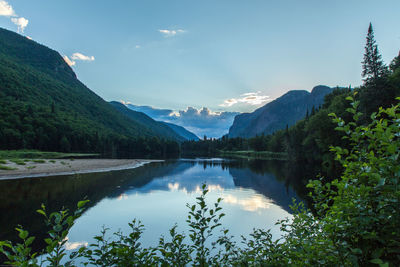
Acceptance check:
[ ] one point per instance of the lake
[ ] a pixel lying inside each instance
(255, 195)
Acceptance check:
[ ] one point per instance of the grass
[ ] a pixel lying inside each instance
(6, 168)
(267, 155)
(2, 161)
(18, 161)
(52, 161)
(36, 154)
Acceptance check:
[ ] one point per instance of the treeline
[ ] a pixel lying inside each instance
(30, 126)
(309, 140)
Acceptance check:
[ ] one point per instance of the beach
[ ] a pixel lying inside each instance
(54, 167)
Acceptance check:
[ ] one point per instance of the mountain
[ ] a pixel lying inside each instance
(155, 113)
(285, 110)
(182, 131)
(44, 106)
(150, 113)
(140, 118)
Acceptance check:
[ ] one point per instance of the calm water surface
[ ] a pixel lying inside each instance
(254, 196)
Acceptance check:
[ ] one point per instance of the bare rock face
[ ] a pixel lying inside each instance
(274, 116)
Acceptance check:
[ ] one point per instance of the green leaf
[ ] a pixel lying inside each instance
(57, 219)
(57, 228)
(382, 181)
(82, 203)
(377, 261)
(30, 240)
(41, 212)
(22, 233)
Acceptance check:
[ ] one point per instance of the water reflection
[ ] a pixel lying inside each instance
(256, 194)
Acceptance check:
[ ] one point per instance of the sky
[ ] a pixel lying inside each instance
(225, 55)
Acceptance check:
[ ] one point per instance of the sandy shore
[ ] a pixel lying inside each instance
(67, 166)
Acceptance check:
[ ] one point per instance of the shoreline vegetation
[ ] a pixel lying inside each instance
(37, 154)
(251, 154)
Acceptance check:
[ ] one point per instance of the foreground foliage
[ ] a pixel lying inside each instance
(356, 219)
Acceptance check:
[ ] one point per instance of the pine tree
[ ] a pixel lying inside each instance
(373, 66)
(395, 64)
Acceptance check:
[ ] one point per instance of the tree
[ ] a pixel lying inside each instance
(395, 64)
(373, 66)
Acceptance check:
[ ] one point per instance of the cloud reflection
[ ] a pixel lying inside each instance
(122, 196)
(74, 245)
(253, 203)
(177, 187)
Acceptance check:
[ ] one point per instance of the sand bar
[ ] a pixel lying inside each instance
(55, 167)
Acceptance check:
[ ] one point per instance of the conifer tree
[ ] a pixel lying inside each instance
(395, 64)
(373, 66)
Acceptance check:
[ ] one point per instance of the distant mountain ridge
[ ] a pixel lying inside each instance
(182, 131)
(285, 110)
(153, 114)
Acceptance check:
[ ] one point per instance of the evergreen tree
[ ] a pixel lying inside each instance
(395, 64)
(373, 66)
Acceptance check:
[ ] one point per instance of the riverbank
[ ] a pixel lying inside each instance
(49, 167)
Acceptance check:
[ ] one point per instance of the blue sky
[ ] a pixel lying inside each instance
(179, 54)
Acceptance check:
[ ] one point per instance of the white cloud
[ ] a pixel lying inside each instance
(170, 33)
(203, 121)
(253, 98)
(6, 9)
(21, 23)
(69, 61)
(137, 46)
(79, 56)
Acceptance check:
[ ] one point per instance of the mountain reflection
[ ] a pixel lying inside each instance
(188, 175)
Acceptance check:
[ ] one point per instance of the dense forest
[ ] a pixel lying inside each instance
(44, 106)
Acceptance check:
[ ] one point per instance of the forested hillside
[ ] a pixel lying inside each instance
(44, 106)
